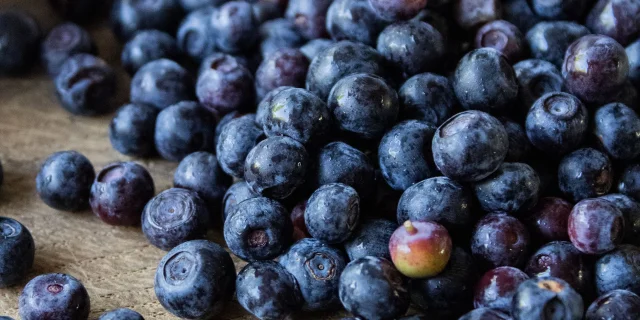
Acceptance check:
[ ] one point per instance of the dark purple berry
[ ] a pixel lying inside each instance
(161, 83)
(496, 288)
(54, 296)
(64, 181)
(17, 251)
(147, 46)
(585, 173)
(132, 130)
(62, 42)
(595, 226)
(504, 37)
(500, 240)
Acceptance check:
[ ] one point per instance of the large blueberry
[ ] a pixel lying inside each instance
(585, 173)
(132, 128)
(267, 290)
(332, 212)
(64, 181)
(236, 140)
(595, 226)
(225, 86)
(234, 26)
(404, 154)
(536, 77)
(238, 192)
(182, 129)
(562, 260)
(54, 296)
(630, 209)
(129, 16)
(557, 123)
(547, 298)
(437, 199)
(619, 269)
(500, 240)
(258, 229)
(513, 187)
(427, 97)
(364, 105)
(161, 83)
(372, 288)
(470, 146)
(340, 162)
(298, 114)
(20, 35)
(195, 37)
(316, 267)
(175, 216)
(548, 40)
(276, 166)
(617, 304)
(353, 20)
(62, 42)
(338, 61)
(17, 251)
(146, 46)
(195, 280)
(284, 67)
(617, 128)
(629, 181)
(371, 238)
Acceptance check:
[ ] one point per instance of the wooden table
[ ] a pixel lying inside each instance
(116, 264)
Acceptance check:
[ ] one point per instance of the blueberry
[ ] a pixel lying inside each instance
(450, 293)
(364, 105)
(284, 67)
(195, 37)
(427, 97)
(536, 78)
(629, 181)
(470, 146)
(225, 120)
(342, 163)
(404, 154)
(519, 13)
(615, 125)
(316, 268)
(192, 5)
(471, 14)
(132, 129)
(81, 11)
(519, 145)
(547, 220)
(62, 42)
(225, 86)
(279, 34)
(120, 192)
(147, 46)
(237, 193)
(266, 10)
(619, 269)
(234, 26)
(258, 229)
(54, 296)
(262, 111)
(595, 226)
(121, 314)
(236, 140)
(485, 314)
(332, 213)
(562, 260)
(504, 37)
(617, 304)
(412, 47)
(64, 181)
(370, 238)
(561, 10)
(276, 166)
(513, 187)
(201, 172)
(438, 199)
(485, 81)
(500, 240)
(338, 61)
(129, 16)
(398, 10)
(496, 288)
(195, 280)
(267, 290)
(633, 54)
(182, 129)
(86, 85)
(161, 83)
(372, 288)
(585, 173)
(313, 48)
(309, 16)
(354, 20)
(17, 251)
(630, 209)
(175, 216)
(595, 67)
(20, 35)
(437, 20)
(618, 19)
(549, 40)
(298, 114)
(546, 298)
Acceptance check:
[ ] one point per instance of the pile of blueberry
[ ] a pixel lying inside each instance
(472, 159)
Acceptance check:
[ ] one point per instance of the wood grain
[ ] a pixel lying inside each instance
(116, 264)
